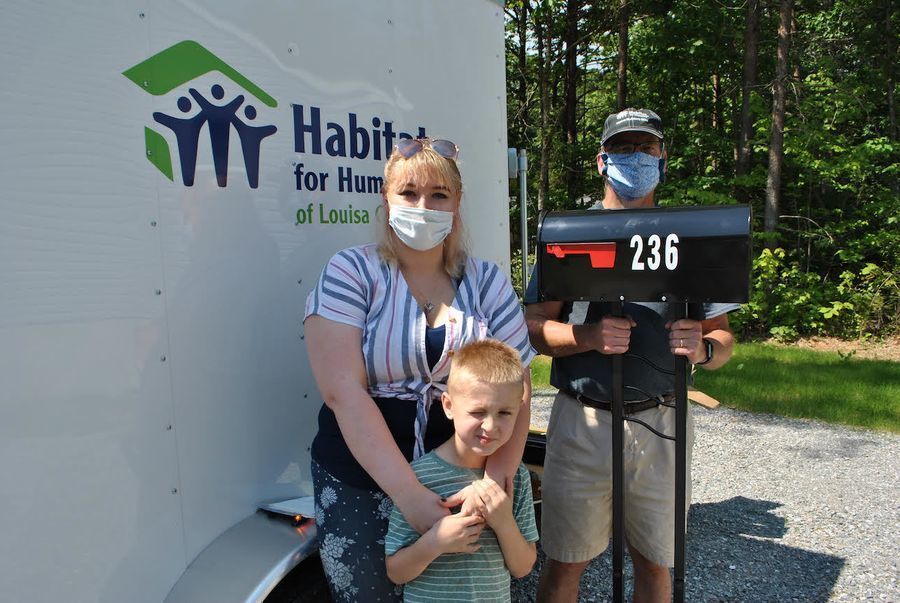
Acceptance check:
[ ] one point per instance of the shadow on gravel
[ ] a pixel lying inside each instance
(732, 554)
(732, 551)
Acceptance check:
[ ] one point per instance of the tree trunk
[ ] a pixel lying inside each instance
(522, 30)
(776, 147)
(544, 92)
(570, 100)
(716, 116)
(751, 50)
(888, 63)
(622, 83)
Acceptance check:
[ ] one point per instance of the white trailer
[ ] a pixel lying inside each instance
(173, 176)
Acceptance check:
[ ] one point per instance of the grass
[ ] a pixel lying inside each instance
(540, 372)
(800, 383)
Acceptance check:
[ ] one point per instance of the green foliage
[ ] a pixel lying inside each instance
(787, 302)
(784, 301)
(515, 271)
(838, 267)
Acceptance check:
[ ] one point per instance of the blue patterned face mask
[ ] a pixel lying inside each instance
(632, 176)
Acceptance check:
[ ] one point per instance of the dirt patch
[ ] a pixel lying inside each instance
(887, 349)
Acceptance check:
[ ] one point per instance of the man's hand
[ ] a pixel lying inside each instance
(686, 339)
(559, 339)
(612, 334)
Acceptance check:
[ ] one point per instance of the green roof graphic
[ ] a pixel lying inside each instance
(181, 63)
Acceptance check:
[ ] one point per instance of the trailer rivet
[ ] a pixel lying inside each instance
(162, 358)
(158, 291)
(149, 152)
(664, 298)
(168, 428)
(174, 490)
(141, 15)
(299, 281)
(302, 337)
(390, 22)
(146, 84)
(390, 70)
(153, 223)
(621, 298)
(305, 395)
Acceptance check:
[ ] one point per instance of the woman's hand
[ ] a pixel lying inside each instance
(422, 508)
(465, 501)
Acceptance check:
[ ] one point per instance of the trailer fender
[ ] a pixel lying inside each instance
(247, 561)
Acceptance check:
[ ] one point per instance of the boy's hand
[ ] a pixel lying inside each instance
(457, 533)
(494, 503)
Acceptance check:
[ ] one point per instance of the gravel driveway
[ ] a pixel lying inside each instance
(783, 510)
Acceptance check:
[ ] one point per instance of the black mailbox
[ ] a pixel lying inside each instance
(683, 254)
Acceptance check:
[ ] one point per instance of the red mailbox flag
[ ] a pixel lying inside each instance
(603, 255)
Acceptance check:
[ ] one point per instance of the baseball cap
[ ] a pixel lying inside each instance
(632, 120)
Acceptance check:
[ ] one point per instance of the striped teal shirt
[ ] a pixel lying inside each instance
(480, 576)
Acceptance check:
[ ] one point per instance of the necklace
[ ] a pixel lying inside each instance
(427, 305)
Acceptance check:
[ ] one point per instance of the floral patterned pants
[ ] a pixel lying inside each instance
(351, 524)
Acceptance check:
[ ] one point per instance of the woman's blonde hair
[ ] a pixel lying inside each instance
(424, 165)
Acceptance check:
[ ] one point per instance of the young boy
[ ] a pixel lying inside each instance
(470, 557)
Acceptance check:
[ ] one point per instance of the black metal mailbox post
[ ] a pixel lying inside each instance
(688, 255)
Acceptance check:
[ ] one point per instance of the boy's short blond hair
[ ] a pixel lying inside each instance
(486, 361)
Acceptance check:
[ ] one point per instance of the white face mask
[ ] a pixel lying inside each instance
(420, 228)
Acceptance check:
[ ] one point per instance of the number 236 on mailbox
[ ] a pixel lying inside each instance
(683, 254)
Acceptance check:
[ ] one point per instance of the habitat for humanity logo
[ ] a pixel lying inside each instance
(174, 67)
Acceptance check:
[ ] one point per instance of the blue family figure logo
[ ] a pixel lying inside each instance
(178, 65)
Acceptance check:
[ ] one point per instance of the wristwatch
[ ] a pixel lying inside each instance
(709, 351)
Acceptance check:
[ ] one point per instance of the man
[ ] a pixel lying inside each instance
(581, 337)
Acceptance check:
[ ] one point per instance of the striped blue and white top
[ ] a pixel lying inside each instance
(357, 288)
(479, 576)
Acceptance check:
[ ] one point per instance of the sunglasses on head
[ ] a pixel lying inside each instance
(408, 147)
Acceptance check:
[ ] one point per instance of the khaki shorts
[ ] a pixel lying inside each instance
(577, 484)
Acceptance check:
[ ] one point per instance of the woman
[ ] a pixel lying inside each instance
(382, 325)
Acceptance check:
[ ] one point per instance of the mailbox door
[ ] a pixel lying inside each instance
(690, 254)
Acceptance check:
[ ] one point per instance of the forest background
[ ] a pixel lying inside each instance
(787, 106)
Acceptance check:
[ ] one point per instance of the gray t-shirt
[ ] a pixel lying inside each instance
(648, 365)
